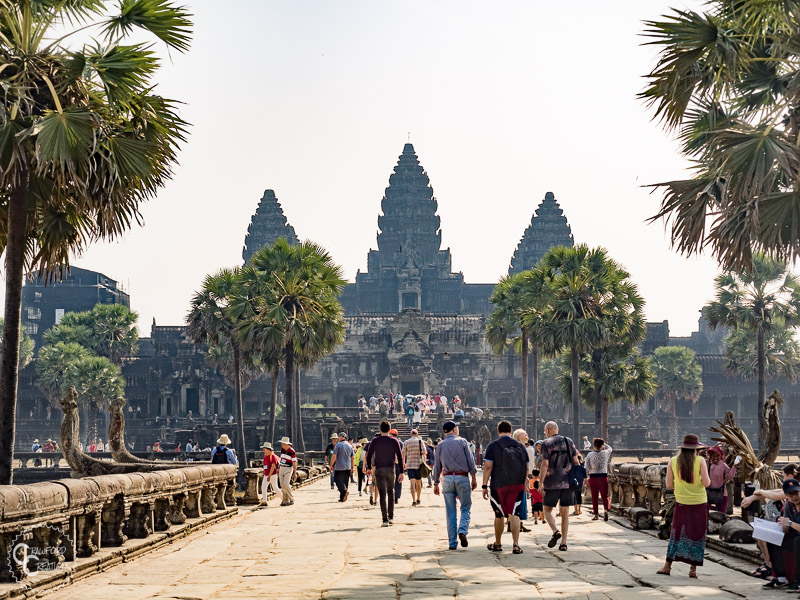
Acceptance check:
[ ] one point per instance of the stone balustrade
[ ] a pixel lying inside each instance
(84, 515)
(255, 476)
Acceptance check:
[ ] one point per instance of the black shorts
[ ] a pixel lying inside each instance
(537, 507)
(564, 497)
(413, 473)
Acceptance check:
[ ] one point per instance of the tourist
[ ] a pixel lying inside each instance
(287, 471)
(270, 472)
(597, 468)
(410, 410)
(719, 473)
(342, 465)
(537, 505)
(398, 468)
(373, 401)
(453, 464)
(687, 474)
(414, 455)
(384, 451)
(507, 483)
(443, 402)
(522, 437)
(329, 452)
(223, 455)
(35, 446)
(581, 477)
(430, 457)
(587, 445)
(416, 418)
(790, 522)
(359, 462)
(189, 446)
(558, 455)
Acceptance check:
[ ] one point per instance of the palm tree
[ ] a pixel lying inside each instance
(679, 377)
(631, 378)
(759, 299)
(106, 330)
(209, 321)
(725, 82)
(97, 381)
(292, 308)
(83, 141)
(781, 354)
(581, 282)
(52, 365)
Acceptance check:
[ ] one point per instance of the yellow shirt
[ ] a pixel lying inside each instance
(688, 493)
(358, 455)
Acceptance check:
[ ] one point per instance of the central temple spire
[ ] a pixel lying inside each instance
(409, 226)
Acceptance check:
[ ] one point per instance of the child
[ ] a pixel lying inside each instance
(536, 498)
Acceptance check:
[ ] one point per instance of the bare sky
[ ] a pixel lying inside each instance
(504, 101)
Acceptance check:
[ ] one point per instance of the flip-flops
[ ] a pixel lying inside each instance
(554, 539)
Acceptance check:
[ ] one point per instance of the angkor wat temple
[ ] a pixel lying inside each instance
(413, 325)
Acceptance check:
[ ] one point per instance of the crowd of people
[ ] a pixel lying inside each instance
(414, 408)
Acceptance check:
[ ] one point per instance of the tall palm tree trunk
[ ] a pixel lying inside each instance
(273, 405)
(762, 389)
(524, 379)
(299, 414)
(535, 408)
(91, 431)
(673, 424)
(239, 413)
(604, 427)
(9, 369)
(576, 396)
(288, 370)
(597, 369)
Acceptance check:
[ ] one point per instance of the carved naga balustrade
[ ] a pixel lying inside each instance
(85, 515)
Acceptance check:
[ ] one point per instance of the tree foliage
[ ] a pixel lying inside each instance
(726, 82)
(26, 346)
(680, 377)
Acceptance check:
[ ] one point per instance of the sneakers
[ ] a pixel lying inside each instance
(774, 583)
(385, 524)
(391, 521)
(793, 587)
(359, 492)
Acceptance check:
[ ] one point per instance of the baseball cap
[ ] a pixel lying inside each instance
(790, 486)
(449, 426)
(393, 432)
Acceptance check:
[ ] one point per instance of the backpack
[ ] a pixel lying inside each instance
(220, 456)
(410, 411)
(577, 475)
(513, 465)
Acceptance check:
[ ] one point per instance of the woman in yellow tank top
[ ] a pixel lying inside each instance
(687, 474)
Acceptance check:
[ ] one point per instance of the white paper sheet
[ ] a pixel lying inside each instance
(768, 531)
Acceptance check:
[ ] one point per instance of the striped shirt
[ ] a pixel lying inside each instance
(288, 457)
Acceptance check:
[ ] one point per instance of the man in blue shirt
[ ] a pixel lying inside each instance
(222, 454)
(454, 462)
(342, 465)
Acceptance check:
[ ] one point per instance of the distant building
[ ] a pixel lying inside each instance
(548, 228)
(266, 226)
(44, 303)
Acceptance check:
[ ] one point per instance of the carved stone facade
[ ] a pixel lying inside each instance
(548, 228)
(266, 226)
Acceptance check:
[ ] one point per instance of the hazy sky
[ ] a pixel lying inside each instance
(504, 101)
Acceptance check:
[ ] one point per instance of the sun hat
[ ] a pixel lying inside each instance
(790, 486)
(266, 446)
(36, 441)
(224, 440)
(334, 436)
(691, 442)
(362, 441)
(449, 426)
(285, 440)
(717, 450)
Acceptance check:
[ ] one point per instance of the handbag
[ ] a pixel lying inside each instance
(715, 495)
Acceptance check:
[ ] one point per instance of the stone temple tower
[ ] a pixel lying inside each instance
(409, 270)
(548, 228)
(266, 226)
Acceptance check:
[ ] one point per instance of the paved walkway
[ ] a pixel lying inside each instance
(322, 549)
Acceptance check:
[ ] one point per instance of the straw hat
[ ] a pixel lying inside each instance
(266, 446)
(224, 440)
(285, 440)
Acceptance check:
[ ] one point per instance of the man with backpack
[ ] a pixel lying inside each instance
(414, 454)
(558, 457)
(506, 467)
(410, 415)
(223, 455)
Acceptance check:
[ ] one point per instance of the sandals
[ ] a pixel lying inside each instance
(516, 550)
(562, 547)
(495, 547)
(762, 572)
(554, 539)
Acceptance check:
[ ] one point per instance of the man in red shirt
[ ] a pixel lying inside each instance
(270, 472)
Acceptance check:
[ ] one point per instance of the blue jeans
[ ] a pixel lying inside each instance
(456, 486)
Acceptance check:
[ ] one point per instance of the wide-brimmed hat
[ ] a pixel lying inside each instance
(717, 450)
(224, 440)
(285, 440)
(362, 441)
(691, 442)
(334, 436)
(266, 446)
(36, 441)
